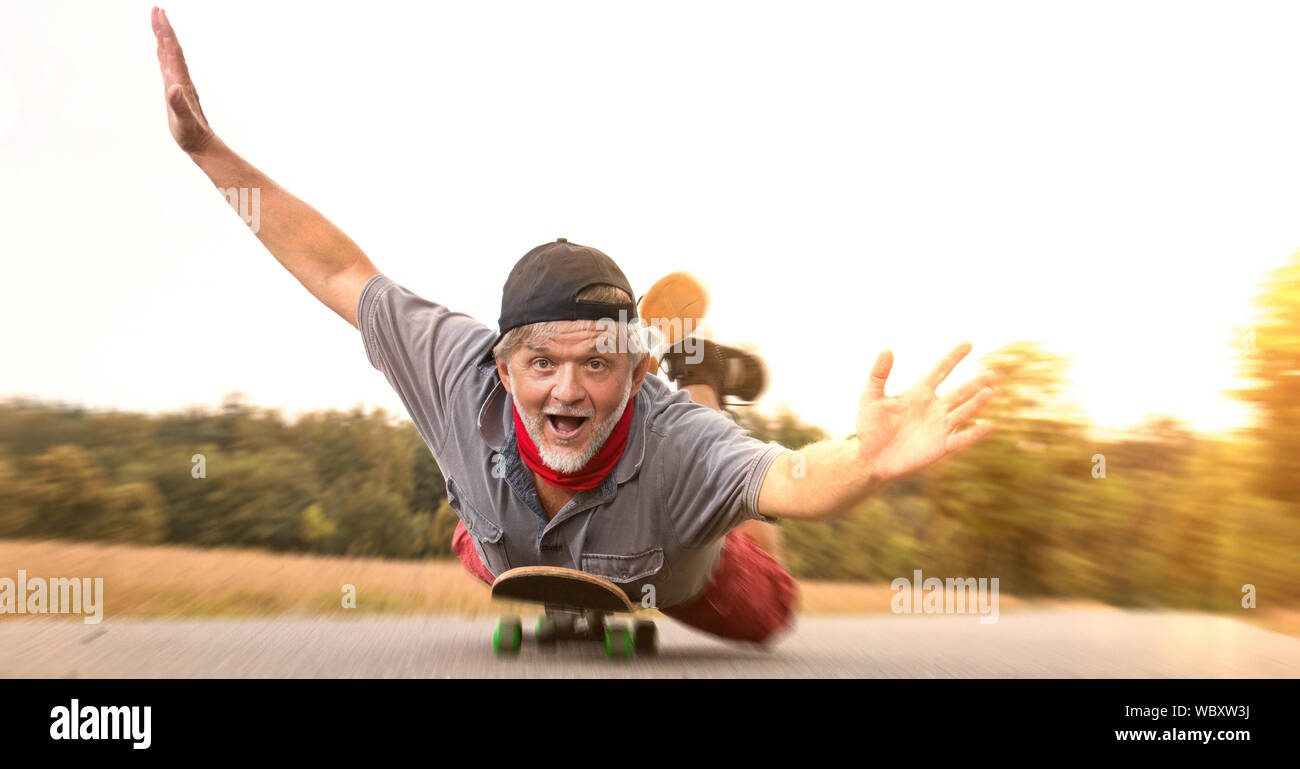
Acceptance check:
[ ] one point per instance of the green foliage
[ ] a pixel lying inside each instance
(441, 528)
(784, 427)
(429, 487)
(133, 512)
(316, 527)
(64, 492)
(332, 482)
(372, 519)
(15, 512)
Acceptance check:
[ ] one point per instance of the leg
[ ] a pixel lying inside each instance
(463, 546)
(766, 535)
(749, 598)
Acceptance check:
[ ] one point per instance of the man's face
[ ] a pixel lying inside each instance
(570, 394)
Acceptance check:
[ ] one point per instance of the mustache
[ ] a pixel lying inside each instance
(568, 412)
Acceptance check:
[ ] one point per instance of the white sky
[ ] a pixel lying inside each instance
(1112, 179)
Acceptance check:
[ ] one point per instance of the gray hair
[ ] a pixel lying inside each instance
(633, 339)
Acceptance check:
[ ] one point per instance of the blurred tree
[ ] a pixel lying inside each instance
(260, 430)
(359, 444)
(234, 410)
(372, 519)
(429, 486)
(784, 427)
(133, 512)
(251, 499)
(191, 427)
(1271, 359)
(15, 512)
(441, 529)
(1010, 497)
(317, 528)
(115, 437)
(66, 493)
(29, 428)
(1160, 444)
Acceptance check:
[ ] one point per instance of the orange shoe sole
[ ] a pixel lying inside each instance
(674, 305)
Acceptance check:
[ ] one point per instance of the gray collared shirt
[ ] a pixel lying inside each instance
(654, 526)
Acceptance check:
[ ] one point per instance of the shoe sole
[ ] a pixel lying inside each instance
(675, 305)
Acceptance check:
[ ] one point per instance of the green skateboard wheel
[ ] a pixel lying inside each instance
(508, 636)
(618, 642)
(547, 632)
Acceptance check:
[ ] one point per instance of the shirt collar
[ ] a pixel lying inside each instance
(496, 420)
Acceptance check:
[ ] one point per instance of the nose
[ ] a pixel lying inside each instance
(568, 387)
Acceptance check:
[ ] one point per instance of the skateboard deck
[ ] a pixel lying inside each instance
(576, 605)
(559, 587)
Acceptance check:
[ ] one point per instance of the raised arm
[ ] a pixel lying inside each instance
(897, 435)
(313, 250)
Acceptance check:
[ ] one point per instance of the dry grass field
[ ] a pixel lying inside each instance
(163, 581)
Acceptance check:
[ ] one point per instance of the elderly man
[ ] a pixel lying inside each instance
(558, 449)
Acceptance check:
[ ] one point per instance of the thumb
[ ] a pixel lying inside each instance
(879, 373)
(185, 103)
(180, 101)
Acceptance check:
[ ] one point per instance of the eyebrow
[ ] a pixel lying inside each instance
(544, 348)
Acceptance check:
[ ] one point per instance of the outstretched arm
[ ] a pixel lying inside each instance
(313, 250)
(897, 435)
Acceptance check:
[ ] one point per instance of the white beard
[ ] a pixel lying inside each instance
(570, 462)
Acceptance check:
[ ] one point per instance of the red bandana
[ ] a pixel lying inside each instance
(590, 476)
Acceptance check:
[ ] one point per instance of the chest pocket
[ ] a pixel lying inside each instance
(637, 574)
(488, 536)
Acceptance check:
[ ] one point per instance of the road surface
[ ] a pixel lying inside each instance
(1029, 643)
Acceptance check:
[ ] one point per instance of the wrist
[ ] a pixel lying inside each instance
(208, 147)
(864, 466)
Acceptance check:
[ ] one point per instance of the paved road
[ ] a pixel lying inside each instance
(1030, 643)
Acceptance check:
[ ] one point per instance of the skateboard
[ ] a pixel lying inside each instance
(576, 605)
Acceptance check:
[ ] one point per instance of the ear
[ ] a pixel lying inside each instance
(503, 371)
(638, 373)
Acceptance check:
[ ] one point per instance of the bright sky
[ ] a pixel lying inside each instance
(1110, 178)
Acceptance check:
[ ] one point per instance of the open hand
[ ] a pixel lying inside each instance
(185, 117)
(903, 433)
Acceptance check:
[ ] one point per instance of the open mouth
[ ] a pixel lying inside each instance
(565, 427)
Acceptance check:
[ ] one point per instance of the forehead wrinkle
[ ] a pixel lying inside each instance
(546, 349)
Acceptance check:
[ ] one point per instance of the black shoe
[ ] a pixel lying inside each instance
(733, 371)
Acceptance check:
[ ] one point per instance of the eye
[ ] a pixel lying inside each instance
(597, 364)
(541, 363)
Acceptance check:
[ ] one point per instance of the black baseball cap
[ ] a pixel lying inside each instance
(544, 285)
